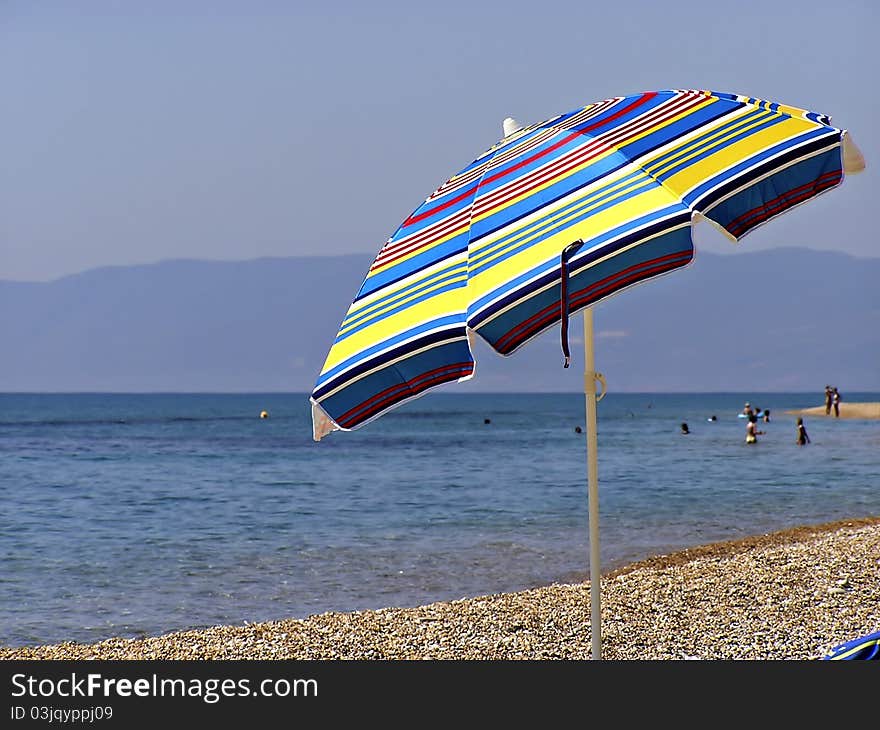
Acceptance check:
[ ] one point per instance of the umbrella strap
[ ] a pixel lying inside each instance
(564, 304)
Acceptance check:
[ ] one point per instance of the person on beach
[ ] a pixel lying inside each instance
(835, 401)
(747, 409)
(802, 437)
(827, 400)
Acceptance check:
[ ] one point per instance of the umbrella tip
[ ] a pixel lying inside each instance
(510, 125)
(853, 160)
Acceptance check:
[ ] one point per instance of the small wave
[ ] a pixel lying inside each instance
(66, 422)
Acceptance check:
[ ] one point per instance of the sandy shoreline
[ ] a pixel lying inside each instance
(868, 411)
(786, 595)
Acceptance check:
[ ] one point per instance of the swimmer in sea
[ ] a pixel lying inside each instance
(802, 437)
(752, 431)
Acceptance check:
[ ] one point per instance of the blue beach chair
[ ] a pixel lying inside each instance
(865, 647)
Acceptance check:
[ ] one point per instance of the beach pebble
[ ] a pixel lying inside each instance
(720, 601)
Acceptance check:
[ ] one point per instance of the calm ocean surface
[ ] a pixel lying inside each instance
(125, 515)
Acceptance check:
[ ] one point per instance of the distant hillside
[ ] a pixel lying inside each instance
(785, 319)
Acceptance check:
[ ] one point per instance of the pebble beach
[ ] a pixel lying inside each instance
(790, 595)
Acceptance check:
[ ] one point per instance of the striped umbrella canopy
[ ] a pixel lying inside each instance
(554, 218)
(863, 647)
(627, 177)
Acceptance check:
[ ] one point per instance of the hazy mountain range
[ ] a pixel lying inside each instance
(786, 319)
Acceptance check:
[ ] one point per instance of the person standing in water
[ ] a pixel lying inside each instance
(802, 437)
(752, 430)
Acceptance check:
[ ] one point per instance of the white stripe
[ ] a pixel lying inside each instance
(754, 181)
(404, 356)
(592, 147)
(411, 280)
(579, 255)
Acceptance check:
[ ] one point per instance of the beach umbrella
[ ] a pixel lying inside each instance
(864, 647)
(554, 218)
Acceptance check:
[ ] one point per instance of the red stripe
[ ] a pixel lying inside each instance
(556, 168)
(522, 163)
(415, 385)
(743, 222)
(565, 163)
(422, 240)
(591, 295)
(586, 113)
(547, 315)
(578, 156)
(453, 220)
(538, 315)
(808, 185)
(476, 172)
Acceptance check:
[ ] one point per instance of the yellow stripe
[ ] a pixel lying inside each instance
(857, 649)
(360, 319)
(658, 165)
(451, 302)
(589, 202)
(422, 248)
(607, 187)
(733, 154)
(547, 214)
(490, 279)
(593, 160)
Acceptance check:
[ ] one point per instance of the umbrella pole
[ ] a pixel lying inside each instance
(592, 484)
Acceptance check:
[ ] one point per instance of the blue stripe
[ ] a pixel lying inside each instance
(400, 308)
(588, 244)
(503, 147)
(435, 212)
(669, 132)
(355, 393)
(627, 186)
(578, 139)
(779, 184)
(693, 199)
(596, 170)
(402, 388)
(546, 228)
(602, 123)
(433, 255)
(450, 322)
(375, 308)
(672, 242)
(707, 137)
(715, 149)
(584, 261)
(537, 200)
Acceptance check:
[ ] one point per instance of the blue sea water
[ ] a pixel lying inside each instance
(129, 515)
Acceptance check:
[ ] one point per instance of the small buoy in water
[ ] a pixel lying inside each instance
(264, 414)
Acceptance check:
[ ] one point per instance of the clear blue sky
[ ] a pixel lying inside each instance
(137, 132)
